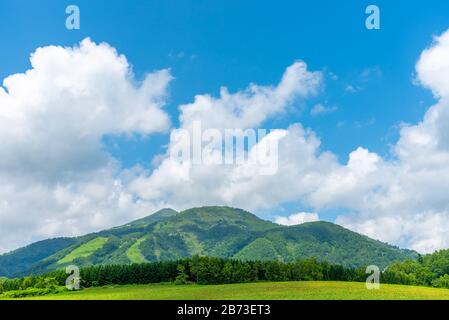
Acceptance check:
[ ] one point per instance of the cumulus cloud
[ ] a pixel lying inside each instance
(404, 200)
(53, 117)
(300, 170)
(55, 177)
(401, 200)
(297, 218)
(433, 66)
(250, 107)
(187, 184)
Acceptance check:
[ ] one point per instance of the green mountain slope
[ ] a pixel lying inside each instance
(25, 258)
(212, 231)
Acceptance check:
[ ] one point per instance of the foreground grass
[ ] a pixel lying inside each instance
(312, 290)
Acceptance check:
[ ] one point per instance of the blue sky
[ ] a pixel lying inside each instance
(209, 44)
(368, 74)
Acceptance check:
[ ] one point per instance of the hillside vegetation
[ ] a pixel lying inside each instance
(85, 250)
(208, 231)
(211, 271)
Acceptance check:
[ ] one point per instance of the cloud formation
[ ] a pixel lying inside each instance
(57, 179)
(297, 218)
(184, 184)
(404, 200)
(320, 109)
(249, 108)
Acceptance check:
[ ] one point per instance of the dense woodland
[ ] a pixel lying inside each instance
(200, 270)
(429, 270)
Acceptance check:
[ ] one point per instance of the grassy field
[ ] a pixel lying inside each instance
(134, 254)
(258, 291)
(85, 250)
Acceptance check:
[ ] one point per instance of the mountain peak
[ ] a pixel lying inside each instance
(217, 231)
(223, 214)
(155, 217)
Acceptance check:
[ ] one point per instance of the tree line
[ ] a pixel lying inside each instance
(200, 270)
(429, 270)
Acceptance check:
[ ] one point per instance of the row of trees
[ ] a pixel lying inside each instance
(39, 284)
(430, 270)
(206, 270)
(201, 270)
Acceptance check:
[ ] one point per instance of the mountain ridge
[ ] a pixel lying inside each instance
(214, 231)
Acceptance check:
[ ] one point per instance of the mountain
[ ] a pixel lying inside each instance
(212, 231)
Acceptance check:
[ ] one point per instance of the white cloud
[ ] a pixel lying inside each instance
(185, 184)
(369, 73)
(297, 218)
(53, 117)
(319, 109)
(404, 200)
(250, 107)
(55, 177)
(433, 66)
(351, 89)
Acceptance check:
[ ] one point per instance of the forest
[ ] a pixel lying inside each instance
(430, 270)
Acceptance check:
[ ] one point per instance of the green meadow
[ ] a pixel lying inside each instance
(85, 250)
(302, 290)
(133, 253)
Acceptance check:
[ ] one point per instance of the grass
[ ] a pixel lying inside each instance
(313, 290)
(134, 254)
(85, 250)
